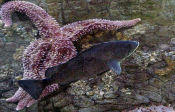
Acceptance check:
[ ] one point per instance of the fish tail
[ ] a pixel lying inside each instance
(33, 87)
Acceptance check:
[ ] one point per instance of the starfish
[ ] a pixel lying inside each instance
(55, 45)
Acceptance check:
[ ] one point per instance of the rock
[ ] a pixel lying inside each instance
(153, 108)
(163, 31)
(92, 109)
(142, 99)
(83, 102)
(69, 108)
(173, 41)
(164, 46)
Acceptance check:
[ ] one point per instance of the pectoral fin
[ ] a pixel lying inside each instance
(114, 65)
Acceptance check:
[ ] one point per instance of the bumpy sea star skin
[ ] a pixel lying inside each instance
(77, 29)
(47, 26)
(38, 56)
(55, 46)
(153, 108)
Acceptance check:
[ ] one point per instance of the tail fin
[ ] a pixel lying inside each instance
(33, 87)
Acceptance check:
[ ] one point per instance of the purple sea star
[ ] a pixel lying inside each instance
(55, 46)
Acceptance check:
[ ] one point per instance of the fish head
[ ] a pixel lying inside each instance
(123, 49)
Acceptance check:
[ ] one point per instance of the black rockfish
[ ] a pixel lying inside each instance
(93, 61)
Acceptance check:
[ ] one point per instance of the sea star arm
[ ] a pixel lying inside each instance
(38, 56)
(34, 57)
(20, 93)
(77, 29)
(22, 103)
(47, 26)
(27, 101)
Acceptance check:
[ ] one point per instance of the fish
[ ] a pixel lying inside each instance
(87, 64)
